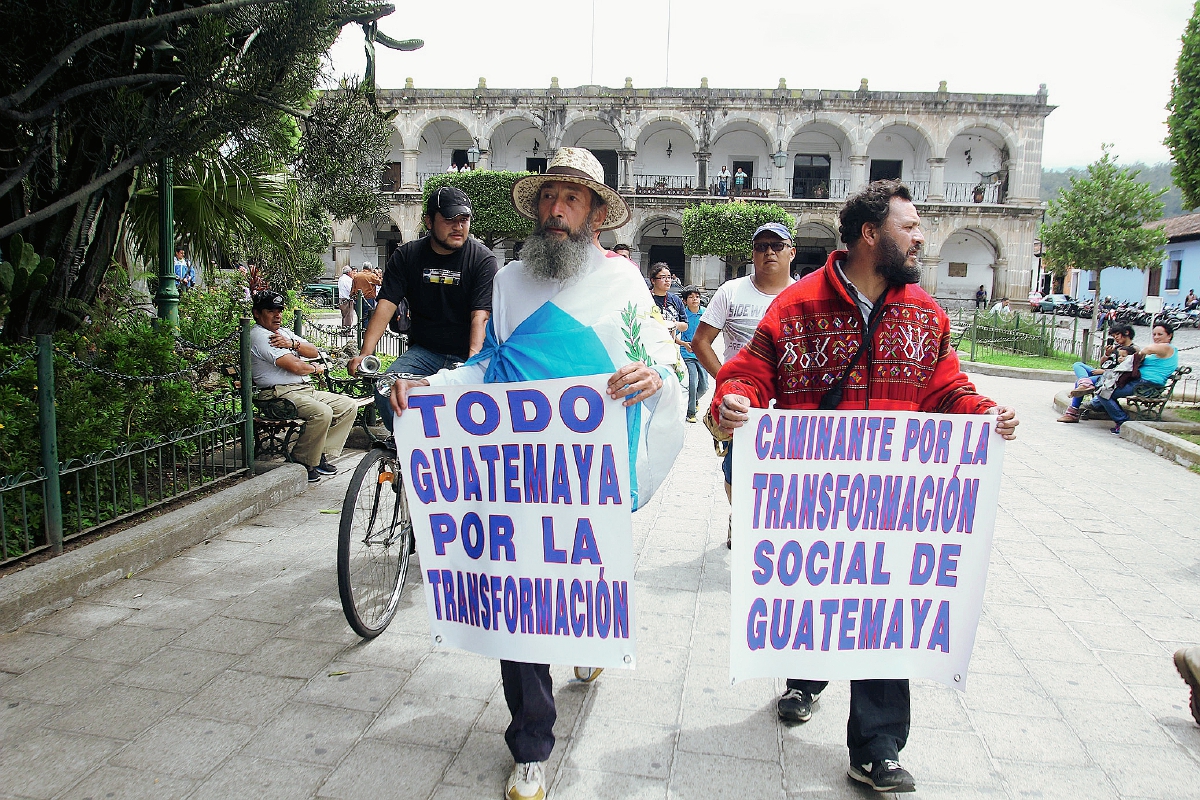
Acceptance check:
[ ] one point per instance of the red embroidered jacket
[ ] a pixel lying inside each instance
(812, 330)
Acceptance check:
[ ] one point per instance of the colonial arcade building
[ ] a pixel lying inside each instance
(972, 161)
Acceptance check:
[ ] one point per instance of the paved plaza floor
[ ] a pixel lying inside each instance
(229, 671)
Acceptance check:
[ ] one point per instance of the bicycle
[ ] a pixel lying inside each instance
(375, 536)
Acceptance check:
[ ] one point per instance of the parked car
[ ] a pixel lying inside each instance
(1062, 304)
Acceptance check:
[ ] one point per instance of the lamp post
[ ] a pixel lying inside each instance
(473, 155)
(780, 158)
(167, 297)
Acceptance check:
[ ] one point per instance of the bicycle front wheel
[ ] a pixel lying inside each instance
(375, 541)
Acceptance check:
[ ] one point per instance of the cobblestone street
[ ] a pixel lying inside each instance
(230, 672)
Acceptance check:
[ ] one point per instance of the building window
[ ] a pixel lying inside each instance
(1092, 281)
(1174, 266)
(958, 269)
(882, 170)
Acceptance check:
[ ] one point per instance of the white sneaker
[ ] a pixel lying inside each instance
(587, 674)
(527, 781)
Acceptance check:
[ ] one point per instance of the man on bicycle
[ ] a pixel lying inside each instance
(447, 279)
(558, 314)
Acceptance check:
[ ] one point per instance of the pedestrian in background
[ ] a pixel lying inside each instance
(697, 377)
(345, 287)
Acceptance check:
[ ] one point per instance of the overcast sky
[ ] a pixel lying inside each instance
(1107, 64)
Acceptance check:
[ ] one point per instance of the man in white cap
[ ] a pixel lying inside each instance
(567, 310)
(345, 287)
(739, 304)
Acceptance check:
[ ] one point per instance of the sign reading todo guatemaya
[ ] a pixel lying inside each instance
(519, 496)
(860, 543)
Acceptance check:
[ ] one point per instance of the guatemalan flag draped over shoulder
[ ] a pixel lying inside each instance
(593, 326)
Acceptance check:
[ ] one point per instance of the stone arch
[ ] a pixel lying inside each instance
(489, 128)
(649, 235)
(511, 139)
(976, 254)
(755, 124)
(679, 118)
(819, 120)
(574, 121)
(454, 135)
(896, 121)
(654, 163)
(999, 127)
(807, 176)
(468, 122)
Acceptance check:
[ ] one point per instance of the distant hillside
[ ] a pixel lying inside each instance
(1158, 176)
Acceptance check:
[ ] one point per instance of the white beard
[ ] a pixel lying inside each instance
(553, 259)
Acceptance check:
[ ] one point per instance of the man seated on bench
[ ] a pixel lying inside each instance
(1159, 360)
(277, 363)
(1087, 377)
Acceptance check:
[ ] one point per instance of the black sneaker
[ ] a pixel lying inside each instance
(795, 705)
(885, 775)
(314, 475)
(325, 468)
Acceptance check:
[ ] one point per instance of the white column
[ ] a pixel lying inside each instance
(778, 181)
(626, 177)
(408, 180)
(858, 173)
(937, 179)
(929, 274)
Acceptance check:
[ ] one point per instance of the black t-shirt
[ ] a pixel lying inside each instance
(442, 291)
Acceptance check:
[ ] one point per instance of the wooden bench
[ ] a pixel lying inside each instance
(1149, 401)
(277, 422)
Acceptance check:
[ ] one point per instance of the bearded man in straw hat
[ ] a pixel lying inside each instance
(567, 310)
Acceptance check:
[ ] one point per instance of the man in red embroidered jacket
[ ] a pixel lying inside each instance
(808, 352)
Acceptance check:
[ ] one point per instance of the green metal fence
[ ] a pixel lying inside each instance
(60, 501)
(981, 333)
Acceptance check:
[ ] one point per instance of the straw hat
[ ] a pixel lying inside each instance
(571, 165)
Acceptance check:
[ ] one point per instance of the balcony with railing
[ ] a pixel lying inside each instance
(664, 184)
(818, 189)
(974, 193)
(752, 187)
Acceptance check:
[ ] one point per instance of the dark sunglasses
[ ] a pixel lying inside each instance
(776, 246)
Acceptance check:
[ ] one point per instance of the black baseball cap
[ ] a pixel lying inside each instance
(269, 301)
(448, 201)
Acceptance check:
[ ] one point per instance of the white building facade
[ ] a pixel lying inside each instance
(972, 162)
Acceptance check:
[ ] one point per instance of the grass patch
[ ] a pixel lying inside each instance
(1191, 437)
(1013, 360)
(1188, 414)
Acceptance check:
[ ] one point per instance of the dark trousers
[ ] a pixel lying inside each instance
(879, 716)
(529, 692)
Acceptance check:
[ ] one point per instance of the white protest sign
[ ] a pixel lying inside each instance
(860, 543)
(519, 496)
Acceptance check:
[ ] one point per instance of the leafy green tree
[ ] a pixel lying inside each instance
(725, 229)
(1100, 221)
(1183, 123)
(494, 216)
(94, 94)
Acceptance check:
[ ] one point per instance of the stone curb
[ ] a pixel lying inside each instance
(33, 593)
(1055, 375)
(1154, 436)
